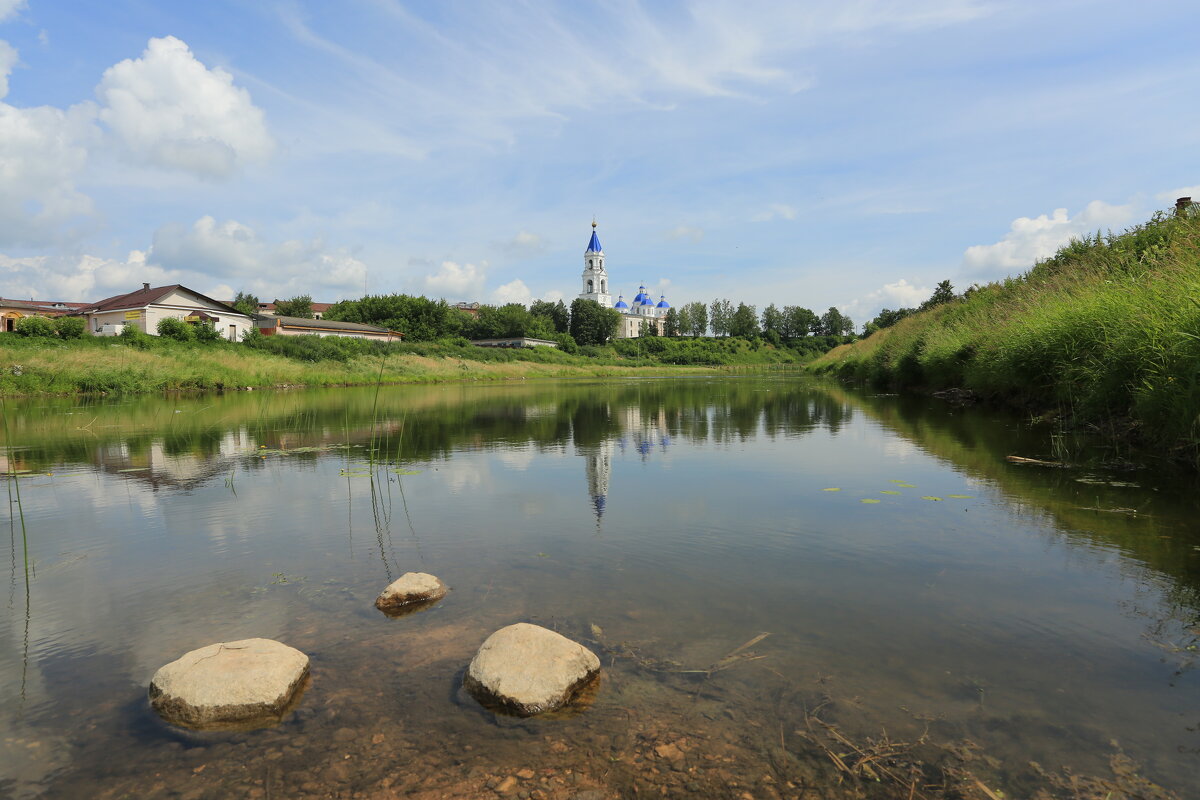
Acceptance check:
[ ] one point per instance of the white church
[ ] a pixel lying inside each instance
(643, 310)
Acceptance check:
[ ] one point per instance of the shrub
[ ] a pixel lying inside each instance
(134, 337)
(206, 332)
(70, 327)
(41, 327)
(177, 329)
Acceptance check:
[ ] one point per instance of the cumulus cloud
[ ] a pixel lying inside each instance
(79, 277)
(1029, 240)
(512, 292)
(900, 294)
(42, 151)
(8, 60)
(454, 280)
(1173, 195)
(169, 110)
(775, 211)
(9, 8)
(235, 254)
(686, 232)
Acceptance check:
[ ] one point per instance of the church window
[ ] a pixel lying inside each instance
(603, 287)
(589, 286)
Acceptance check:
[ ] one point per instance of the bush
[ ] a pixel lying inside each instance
(206, 332)
(70, 327)
(177, 329)
(41, 327)
(130, 335)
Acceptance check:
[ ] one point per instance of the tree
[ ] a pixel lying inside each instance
(772, 320)
(246, 303)
(944, 293)
(591, 323)
(298, 306)
(743, 322)
(720, 315)
(798, 322)
(671, 323)
(504, 322)
(418, 318)
(835, 323)
(560, 318)
(697, 315)
(886, 319)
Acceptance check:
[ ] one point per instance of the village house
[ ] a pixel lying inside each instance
(142, 309)
(13, 310)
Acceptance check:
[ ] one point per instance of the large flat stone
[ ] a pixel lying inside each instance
(228, 684)
(526, 669)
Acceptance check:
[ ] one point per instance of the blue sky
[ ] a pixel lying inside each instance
(846, 154)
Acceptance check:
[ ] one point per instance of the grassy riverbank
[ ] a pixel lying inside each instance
(31, 366)
(1105, 333)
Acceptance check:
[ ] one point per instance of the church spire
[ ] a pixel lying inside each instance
(594, 244)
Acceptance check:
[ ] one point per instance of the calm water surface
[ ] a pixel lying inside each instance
(915, 586)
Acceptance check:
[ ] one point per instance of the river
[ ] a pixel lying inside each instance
(938, 619)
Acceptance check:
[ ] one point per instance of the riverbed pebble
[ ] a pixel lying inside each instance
(527, 669)
(229, 683)
(409, 589)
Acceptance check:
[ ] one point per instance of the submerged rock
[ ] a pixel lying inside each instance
(526, 669)
(410, 591)
(230, 684)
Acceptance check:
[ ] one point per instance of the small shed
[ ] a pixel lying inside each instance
(298, 326)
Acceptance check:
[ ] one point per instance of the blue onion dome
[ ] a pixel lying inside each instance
(642, 298)
(662, 302)
(621, 303)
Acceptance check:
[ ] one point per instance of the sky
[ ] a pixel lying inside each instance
(841, 153)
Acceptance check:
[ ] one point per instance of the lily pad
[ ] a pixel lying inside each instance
(930, 497)
(869, 500)
(407, 471)
(888, 491)
(960, 496)
(831, 489)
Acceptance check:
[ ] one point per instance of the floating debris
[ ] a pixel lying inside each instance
(1035, 462)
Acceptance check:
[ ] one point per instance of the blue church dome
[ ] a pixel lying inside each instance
(642, 298)
(662, 302)
(621, 303)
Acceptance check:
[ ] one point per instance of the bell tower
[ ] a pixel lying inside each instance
(595, 278)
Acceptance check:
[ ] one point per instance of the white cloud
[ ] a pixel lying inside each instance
(900, 294)
(8, 60)
(232, 251)
(775, 211)
(169, 110)
(512, 292)
(1029, 240)
(1173, 195)
(456, 281)
(9, 8)
(686, 232)
(42, 150)
(79, 277)
(554, 295)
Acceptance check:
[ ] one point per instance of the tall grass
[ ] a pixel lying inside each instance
(1106, 332)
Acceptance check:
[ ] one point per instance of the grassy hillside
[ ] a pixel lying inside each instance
(1106, 333)
(146, 364)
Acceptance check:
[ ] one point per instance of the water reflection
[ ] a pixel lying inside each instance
(160, 526)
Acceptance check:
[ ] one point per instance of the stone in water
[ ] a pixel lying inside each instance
(230, 684)
(526, 669)
(410, 591)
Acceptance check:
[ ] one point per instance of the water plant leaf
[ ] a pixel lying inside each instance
(831, 489)
(869, 500)
(888, 491)
(960, 496)
(407, 471)
(930, 497)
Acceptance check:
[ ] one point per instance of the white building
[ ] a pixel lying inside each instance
(142, 309)
(643, 311)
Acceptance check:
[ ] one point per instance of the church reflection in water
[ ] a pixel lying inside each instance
(640, 433)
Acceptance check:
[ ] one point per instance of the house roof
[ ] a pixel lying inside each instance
(145, 297)
(318, 308)
(329, 325)
(29, 305)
